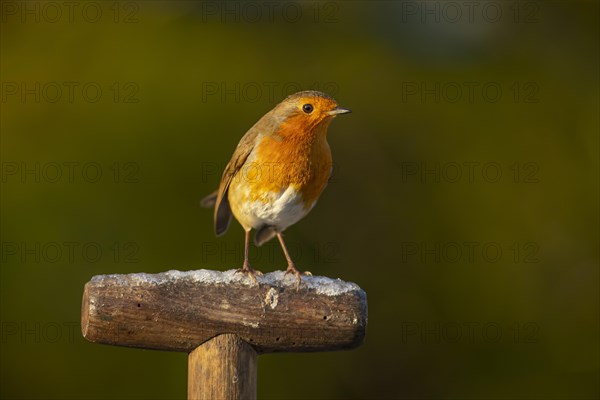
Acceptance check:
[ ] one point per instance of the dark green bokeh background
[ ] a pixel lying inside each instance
(441, 324)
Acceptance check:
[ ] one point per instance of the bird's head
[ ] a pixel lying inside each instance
(306, 112)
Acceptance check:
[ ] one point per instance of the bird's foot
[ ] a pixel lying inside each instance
(247, 269)
(291, 269)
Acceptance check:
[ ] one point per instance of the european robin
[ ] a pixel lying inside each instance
(277, 172)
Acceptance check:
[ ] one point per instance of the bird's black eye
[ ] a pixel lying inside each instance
(307, 108)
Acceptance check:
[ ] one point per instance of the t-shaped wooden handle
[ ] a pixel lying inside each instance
(223, 319)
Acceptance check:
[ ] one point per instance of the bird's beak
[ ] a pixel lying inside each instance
(339, 110)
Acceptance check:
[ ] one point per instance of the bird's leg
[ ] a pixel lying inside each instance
(291, 269)
(247, 269)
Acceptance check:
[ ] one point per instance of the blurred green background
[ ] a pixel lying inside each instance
(464, 198)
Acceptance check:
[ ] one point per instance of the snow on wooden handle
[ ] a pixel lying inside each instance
(178, 311)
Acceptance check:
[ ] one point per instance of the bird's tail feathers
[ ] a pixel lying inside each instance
(263, 235)
(210, 200)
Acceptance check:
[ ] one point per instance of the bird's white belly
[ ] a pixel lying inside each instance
(276, 209)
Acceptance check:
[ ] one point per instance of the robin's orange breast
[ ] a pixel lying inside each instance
(282, 178)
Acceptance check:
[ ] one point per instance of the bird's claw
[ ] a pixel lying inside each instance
(291, 269)
(252, 273)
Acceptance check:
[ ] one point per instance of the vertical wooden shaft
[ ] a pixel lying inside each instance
(222, 368)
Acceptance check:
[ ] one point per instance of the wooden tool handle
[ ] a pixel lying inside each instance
(222, 368)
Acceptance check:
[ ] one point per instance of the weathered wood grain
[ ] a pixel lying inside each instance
(178, 311)
(222, 368)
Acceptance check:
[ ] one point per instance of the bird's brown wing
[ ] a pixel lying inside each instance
(240, 155)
